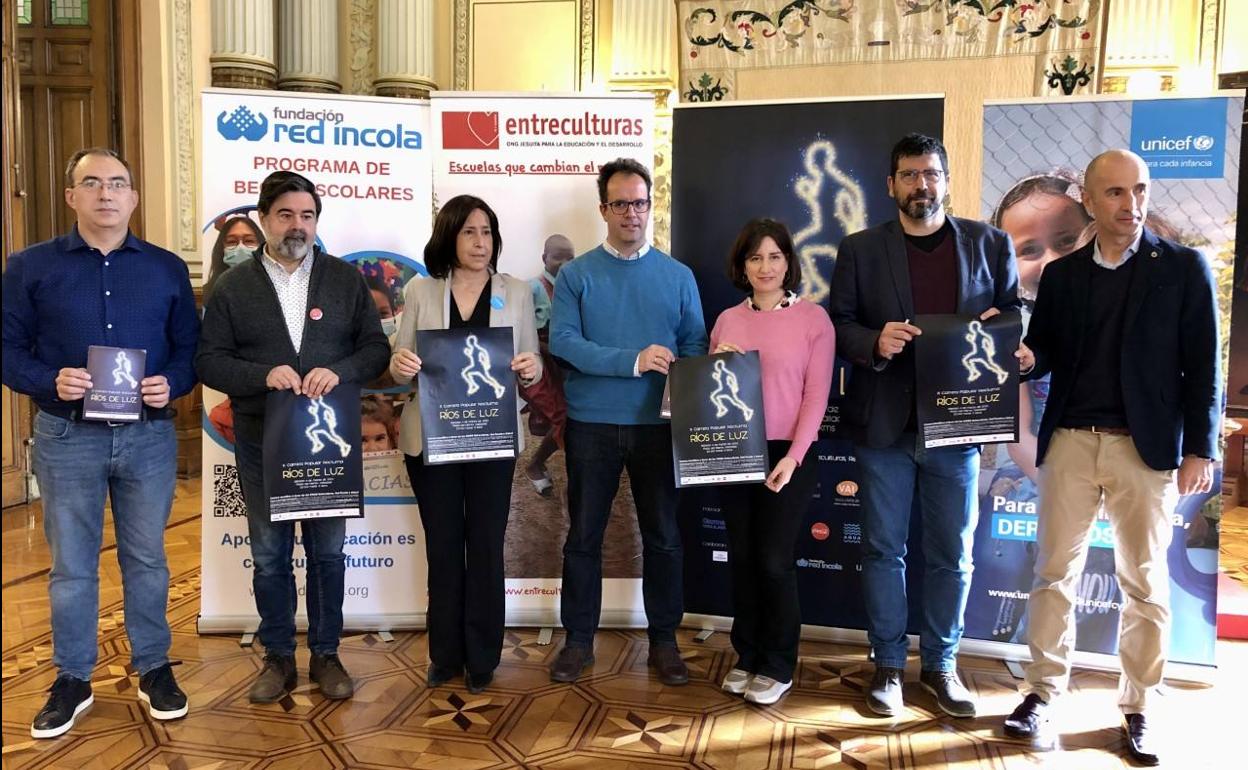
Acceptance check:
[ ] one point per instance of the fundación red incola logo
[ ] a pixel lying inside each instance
(470, 130)
(819, 530)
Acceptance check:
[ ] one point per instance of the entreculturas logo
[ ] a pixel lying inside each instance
(470, 130)
(476, 130)
(304, 125)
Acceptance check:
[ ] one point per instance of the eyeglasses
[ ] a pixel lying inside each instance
(910, 175)
(95, 185)
(641, 206)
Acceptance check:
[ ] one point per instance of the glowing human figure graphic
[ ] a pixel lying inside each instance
(983, 351)
(324, 423)
(726, 391)
(478, 368)
(122, 371)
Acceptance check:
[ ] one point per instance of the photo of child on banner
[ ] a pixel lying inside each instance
(313, 461)
(467, 394)
(719, 433)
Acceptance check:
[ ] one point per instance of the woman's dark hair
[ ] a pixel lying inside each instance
(440, 256)
(1060, 182)
(279, 183)
(217, 266)
(747, 243)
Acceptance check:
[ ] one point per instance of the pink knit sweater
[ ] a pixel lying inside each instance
(796, 345)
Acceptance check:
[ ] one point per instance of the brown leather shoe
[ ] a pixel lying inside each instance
(276, 679)
(333, 679)
(665, 660)
(571, 662)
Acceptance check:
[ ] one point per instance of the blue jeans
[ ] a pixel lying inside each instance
(77, 465)
(273, 576)
(596, 455)
(946, 479)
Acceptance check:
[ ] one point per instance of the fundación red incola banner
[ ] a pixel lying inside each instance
(370, 161)
(535, 160)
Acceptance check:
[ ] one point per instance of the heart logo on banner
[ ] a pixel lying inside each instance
(484, 127)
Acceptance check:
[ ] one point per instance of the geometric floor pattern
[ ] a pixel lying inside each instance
(617, 717)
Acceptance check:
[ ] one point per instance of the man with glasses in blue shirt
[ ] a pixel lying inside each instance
(924, 262)
(100, 285)
(622, 314)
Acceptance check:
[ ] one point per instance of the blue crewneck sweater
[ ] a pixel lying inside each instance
(606, 310)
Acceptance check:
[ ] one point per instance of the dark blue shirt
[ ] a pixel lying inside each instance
(62, 295)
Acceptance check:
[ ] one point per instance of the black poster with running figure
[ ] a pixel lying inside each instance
(313, 462)
(966, 379)
(116, 391)
(467, 394)
(719, 434)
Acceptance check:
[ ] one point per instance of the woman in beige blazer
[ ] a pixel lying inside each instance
(463, 506)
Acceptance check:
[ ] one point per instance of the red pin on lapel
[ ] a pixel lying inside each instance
(315, 314)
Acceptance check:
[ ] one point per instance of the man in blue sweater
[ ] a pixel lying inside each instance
(622, 314)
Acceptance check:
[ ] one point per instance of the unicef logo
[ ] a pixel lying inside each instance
(1204, 143)
(242, 123)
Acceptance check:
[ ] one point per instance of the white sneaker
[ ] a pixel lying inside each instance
(764, 690)
(737, 681)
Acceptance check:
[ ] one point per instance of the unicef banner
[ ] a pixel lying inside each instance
(1034, 155)
(370, 160)
(535, 160)
(820, 168)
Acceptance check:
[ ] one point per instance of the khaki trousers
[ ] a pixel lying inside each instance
(1081, 471)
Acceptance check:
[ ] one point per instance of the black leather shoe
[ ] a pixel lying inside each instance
(160, 691)
(276, 679)
(571, 662)
(1139, 742)
(68, 698)
(1028, 719)
(477, 683)
(884, 693)
(666, 662)
(437, 675)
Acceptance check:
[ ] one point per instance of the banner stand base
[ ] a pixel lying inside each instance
(703, 635)
(1015, 668)
(545, 635)
(246, 639)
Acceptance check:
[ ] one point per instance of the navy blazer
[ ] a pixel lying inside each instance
(1171, 384)
(871, 286)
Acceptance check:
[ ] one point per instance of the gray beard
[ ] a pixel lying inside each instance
(292, 248)
(922, 208)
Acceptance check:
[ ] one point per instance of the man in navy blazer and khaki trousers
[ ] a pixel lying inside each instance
(923, 262)
(1128, 326)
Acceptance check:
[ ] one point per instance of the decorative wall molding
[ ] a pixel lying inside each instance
(186, 182)
(463, 45)
(719, 38)
(361, 36)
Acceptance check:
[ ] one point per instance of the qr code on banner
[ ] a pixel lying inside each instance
(227, 495)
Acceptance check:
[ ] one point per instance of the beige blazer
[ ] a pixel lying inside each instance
(427, 305)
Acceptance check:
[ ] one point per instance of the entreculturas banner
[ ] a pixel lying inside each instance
(535, 159)
(370, 160)
(1034, 156)
(820, 168)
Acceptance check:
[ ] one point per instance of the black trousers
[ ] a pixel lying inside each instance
(463, 509)
(762, 535)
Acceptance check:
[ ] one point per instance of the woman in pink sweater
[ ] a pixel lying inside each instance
(796, 345)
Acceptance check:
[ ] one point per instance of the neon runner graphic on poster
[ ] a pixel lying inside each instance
(115, 394)
(719, 435)
(966, 379)
(313, 465)
(467, 394)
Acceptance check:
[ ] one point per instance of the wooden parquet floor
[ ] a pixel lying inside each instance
(615, 718)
